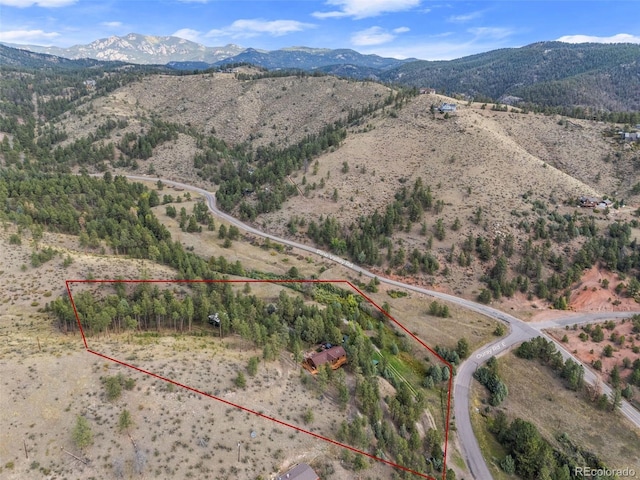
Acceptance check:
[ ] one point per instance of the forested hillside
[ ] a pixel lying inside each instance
(547, 74)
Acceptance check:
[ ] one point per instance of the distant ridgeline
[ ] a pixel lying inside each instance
(583, 80)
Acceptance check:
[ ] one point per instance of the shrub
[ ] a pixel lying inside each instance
(82, 435)
(240, 381)
(252, 367)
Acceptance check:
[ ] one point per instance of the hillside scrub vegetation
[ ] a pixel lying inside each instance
(290, 324)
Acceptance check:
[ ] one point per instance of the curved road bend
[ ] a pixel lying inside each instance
(520, 331)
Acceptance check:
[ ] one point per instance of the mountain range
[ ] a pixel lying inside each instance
(141, 49)
(180, 53)
(550, 74)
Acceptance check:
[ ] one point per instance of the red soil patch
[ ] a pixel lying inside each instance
(582, 350)
(590, 296)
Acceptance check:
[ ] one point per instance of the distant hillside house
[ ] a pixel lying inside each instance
(447, 107)
(588, 202)
(90, 84)
(630, 137)
(428, 91)
(335, 356)
(592, 202)
(302, 471)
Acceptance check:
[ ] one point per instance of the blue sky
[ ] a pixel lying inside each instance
(426, 29)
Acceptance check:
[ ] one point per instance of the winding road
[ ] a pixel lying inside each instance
(519, 332)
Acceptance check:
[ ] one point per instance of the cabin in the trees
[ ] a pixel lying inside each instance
(427, 91)
(335, 356)
(302, 471)
(214, 319)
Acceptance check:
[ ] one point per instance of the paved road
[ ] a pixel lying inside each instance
(519, 332)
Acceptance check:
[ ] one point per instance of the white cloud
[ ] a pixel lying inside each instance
(371, 36)
(436, 49)
(464, 18)
(376, 36)
(112, 24)
(37, 3)
(619, 38)
(491, 32)
(365, 8)
(26, 36)
(188, 33)
(246, 28)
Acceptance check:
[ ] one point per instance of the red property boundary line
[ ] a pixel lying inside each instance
(248, 410)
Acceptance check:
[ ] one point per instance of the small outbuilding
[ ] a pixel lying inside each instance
(302, 471)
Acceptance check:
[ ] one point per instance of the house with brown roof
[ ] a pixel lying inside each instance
(588, 202)
(335, 356)
(302, 471)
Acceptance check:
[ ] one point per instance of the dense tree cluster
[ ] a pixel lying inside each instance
(141, 145)
(489, 378)
(545, 351)
(264, 171)
(614, 248)
(362, 241)
(531, 456)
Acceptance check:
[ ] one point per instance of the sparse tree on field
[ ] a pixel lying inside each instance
(113, 387)
(616, 398)
(627, 393)
(82, 434)
(125, 421)
(240, 381)
(307, 416)
(252, 367)
(463, 348)
(615, 376)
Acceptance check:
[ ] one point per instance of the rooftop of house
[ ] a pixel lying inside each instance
(302, 471)
(329, 355)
